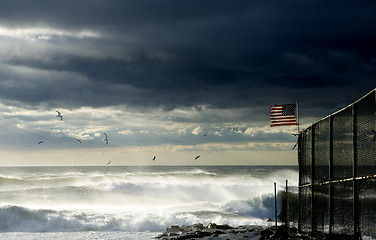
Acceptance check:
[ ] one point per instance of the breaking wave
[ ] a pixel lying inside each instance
(136, 200)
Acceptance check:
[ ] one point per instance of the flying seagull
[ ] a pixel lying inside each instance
(59, 115)
(108, 163)
(197, 157)
(105, 139)
(154, 158)
(40, 142)
(78, 140)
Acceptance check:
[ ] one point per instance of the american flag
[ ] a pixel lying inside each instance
(283, 115)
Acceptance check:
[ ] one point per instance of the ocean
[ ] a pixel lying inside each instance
(121, 202)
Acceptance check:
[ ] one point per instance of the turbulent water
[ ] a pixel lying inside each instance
(133, 202)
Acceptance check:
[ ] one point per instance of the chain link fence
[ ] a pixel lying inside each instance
(337, 172)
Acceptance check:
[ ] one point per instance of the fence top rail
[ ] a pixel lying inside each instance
(342, 109)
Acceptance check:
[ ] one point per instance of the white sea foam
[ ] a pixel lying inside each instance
(136, 199)
(88, 235)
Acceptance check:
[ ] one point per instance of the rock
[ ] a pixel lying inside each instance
(212, 225)
(187, 236)
(161, 235)
(173, 228)
(172, 234)
(217, 232)
(266, 232)
(222, 227)
(198, 226)
(220, 232)
(203, 234)
(281, 233)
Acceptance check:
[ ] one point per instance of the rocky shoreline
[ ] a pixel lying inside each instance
(226, 232)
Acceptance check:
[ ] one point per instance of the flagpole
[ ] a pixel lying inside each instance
(297, 114)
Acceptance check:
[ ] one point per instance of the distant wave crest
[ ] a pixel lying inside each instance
(20, 219)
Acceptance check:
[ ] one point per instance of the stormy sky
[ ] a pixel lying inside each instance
(174, 79)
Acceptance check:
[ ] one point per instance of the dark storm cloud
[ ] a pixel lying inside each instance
(222, 54)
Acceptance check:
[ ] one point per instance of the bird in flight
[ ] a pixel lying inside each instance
(78, 140)
(154, 158)
(40, 142)
(197, 157)
(105, 139)
(59, 115)
(108, 163)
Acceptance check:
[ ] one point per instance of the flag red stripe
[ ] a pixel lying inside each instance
(282, 117)
(285, 124)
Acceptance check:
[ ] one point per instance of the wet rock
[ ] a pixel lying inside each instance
(161, 235)
(212, 226)
(203, 234)
(222, 227)
(223, 232)
(267, 232)
(173, 228)
(172, 234)
(187, 236)
(280, 233)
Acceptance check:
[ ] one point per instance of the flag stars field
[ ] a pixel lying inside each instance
(283, 115)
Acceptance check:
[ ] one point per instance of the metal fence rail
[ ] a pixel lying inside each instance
(337, 172)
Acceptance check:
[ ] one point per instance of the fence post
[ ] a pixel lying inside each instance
(300, 142)
(331, 195)
(275, 203)
(355, 164)
(287, 219)
(313, 210)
